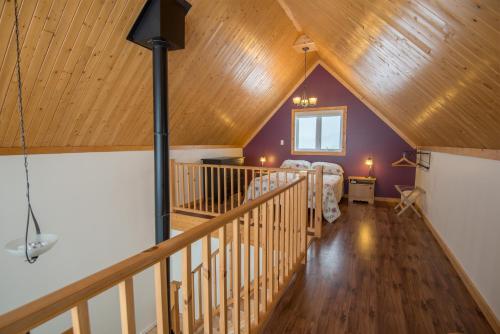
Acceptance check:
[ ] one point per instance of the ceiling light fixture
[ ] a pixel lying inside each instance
(304, 100)
(30, 248)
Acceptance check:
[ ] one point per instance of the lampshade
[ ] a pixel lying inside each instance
(296, 100)
(369, 162)
(263, 159)
(313, 101)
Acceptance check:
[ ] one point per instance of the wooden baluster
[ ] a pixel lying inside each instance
(276, 223)
(174, 298)
(172, 184)
(236, 276)
(246, 272)
(222, 281)
(245, 185)
(281, 253)
(232, 187)
(295, 229)
(310, 198)
(295, 225)
(318, 218)
(181, 192)
(239, 185)
(260, 179)
(214, 280)
(276, 243)
(207, 285)
(287, 232)
(187, 292)
(254, 184)
(225, 190)
(218, 190)
(188, 181)
(268, 180)
(270, 251)
(305, 191)
(256, 276)
(263, 210)
(200, 196)
(292, 228)
(206, 189)
(193, 183)
(127, 311)
(212, 188)
(230, 274)
(80, 318)
(160, 271)
(200, 294)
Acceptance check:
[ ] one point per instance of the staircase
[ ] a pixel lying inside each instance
(218, 296)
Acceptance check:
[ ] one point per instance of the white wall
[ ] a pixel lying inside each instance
(463, 204)
(102, 207)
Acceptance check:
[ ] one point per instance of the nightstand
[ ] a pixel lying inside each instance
(362, 188)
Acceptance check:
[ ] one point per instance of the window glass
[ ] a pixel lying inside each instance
(319, 130)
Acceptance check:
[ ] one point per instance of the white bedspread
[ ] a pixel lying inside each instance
(332, 188)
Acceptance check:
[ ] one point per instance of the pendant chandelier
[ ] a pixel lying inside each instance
(304, 100)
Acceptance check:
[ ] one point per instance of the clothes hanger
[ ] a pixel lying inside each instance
(404, 162)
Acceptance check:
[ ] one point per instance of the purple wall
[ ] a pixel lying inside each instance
(367, 135)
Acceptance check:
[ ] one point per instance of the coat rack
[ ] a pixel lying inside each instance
(419, 161)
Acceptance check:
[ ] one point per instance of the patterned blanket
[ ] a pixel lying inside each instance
(331, 209)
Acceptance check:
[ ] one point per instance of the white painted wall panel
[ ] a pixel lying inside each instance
(463, 204)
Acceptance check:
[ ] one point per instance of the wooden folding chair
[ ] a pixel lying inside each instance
(409, 196)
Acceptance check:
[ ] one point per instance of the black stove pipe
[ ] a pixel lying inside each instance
(160, 109)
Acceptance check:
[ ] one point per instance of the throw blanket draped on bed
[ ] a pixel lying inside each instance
(331, 209)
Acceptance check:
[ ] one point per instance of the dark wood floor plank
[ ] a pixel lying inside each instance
(373, 272)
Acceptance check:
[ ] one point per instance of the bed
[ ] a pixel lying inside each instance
(333, 185)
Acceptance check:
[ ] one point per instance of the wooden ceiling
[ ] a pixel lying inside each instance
(85, 85)
(430, 67)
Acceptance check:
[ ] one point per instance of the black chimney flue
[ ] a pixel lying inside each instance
(160, 27)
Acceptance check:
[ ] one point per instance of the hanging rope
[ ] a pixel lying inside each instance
(23, 139)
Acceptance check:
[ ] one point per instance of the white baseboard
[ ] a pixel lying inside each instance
(470, 286)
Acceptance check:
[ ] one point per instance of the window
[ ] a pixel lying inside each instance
(319, 131)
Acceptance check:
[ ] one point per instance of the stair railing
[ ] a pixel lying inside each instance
(275, 224)
(214, 189)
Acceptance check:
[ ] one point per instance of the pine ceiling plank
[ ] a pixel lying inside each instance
(57, 25)
(77, 56)
(430, 66)
(111, 62)
(9, 61)
(52, 69)
(133, 111)
(116, 90)
(90, 58)
(64, 118)
(32, 53)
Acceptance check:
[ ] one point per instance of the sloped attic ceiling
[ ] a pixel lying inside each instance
(431, 67)
(85, 85)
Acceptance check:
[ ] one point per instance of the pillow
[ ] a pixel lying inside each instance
(329, 168)
(296, 164)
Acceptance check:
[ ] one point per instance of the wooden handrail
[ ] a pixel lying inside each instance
(46, 308)
(211, 189)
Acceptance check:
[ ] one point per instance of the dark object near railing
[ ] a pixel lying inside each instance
(238, 161)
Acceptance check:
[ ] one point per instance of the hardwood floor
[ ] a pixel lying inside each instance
(375, 273)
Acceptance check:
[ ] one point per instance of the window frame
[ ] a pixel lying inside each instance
(343, 112)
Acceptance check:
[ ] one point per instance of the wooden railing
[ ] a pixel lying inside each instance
(214, 189)
(274, 224)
